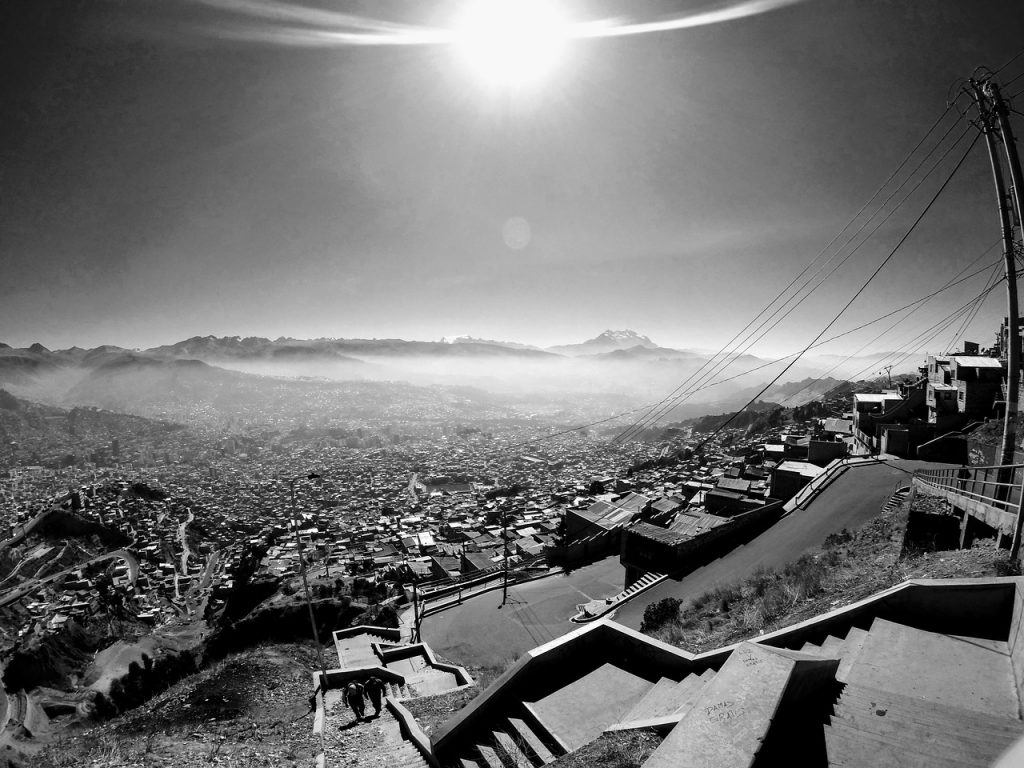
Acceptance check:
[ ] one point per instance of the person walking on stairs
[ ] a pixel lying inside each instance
(375, 690)
(354, 698)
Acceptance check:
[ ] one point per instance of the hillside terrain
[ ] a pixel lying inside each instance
(249, 710)
(850, 566)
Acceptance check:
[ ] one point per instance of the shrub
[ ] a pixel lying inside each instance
(656, 615)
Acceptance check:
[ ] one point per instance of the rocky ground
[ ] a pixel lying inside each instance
(249, 710)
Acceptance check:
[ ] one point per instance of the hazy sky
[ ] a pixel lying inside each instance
(161, 176)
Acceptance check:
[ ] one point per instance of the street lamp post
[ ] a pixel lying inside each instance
(305, 581)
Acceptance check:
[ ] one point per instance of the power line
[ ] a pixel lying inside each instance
(897, 356)
(750, 340)
(969, 318)
(817, 256)
(768, 364)
(915, 305)
(1009, 62)
(674, 399)
(863, 287)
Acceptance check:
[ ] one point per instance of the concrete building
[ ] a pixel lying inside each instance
(791, 476)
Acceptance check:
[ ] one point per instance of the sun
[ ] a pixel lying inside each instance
(511, 43)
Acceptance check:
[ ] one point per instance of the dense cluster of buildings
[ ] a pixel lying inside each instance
(926, 417)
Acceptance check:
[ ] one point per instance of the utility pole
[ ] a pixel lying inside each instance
(988, 121)
(305, 581)
(415, 612)
(888, 372)
(504, 536)
(1002, 116)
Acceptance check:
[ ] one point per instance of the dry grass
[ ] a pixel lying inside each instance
(851, 565)
(431, 711)
(628, 749)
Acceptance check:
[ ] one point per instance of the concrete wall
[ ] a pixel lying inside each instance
(1016, 641)
(640, 554)
(821, 452)
(550, 667)
(990, 608)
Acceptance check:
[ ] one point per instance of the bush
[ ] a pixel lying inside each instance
(657, 615)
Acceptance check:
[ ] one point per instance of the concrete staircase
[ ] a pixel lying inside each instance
(596, 608)
(871, 727)
(373, 743)
(518, 741)
(896, 499)
(644, 581)
(845, 649)
(357, 651)
(430, 681)
(532, 733)
(397, 690)
(666, 703)
(750, 711)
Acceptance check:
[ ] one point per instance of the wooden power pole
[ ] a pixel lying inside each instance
(994, 119)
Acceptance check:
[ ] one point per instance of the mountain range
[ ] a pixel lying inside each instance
(613, 363)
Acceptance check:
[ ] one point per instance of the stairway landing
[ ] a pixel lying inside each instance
(946, 669)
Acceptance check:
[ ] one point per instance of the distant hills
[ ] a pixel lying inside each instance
(253, 370)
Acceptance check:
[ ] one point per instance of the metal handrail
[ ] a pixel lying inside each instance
(984, 484)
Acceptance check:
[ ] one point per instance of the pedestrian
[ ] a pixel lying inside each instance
(375, 690)
(354, 698)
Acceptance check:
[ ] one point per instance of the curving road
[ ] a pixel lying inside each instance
(480, 632)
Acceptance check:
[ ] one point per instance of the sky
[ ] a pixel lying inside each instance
(172, 168)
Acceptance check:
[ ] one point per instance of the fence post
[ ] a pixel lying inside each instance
(1015, 544)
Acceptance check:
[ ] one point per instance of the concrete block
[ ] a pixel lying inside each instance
(851, 649)
(657, 701)
(579, 712)
(731, 718)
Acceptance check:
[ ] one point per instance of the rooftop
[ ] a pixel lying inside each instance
(804, 468)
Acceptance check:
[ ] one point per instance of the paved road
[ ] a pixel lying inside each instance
(849, 502)
(479, 632)
(482, 632)
(33, 584)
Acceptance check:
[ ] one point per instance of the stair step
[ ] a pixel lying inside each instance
(512, 753)
(903, 659)
(846, 749)
(659, 697)
(688, 693)
(893, 752)
(811, 649)
(465, 762)
(488, 757)
(523, 734)
(952, 742)
(727, 724)
(851, 649)
(832, 647)
(858, 699)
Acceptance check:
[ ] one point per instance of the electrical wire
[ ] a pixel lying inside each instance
(749, 341)
(863, 287)
(677, 398)
(969, 318)
(918, 304)
(817, 256)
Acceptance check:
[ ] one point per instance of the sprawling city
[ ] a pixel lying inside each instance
(739, 485)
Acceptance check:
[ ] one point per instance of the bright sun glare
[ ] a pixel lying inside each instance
(511, 42)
